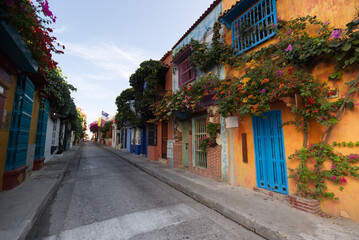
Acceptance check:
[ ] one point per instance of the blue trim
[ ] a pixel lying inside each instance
(236, 11)
(258, 26)
(138, 149)
(270, 160)
(41, 131)
(16, 49)
(20, 124)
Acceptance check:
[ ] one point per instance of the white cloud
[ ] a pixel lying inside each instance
(110, 58)
(100, 72)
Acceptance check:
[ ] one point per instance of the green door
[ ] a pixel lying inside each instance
(185, 142)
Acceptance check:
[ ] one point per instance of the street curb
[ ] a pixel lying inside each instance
(47, 199)
(248, 222)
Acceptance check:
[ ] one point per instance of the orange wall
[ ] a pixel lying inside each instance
(4, 133)
(338, 13)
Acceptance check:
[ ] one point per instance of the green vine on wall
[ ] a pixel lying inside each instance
(311, 174)
(152, 73)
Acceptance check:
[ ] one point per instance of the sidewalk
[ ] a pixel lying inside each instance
(267, 216)
(23, 205)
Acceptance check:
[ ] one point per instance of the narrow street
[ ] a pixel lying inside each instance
(103, 197)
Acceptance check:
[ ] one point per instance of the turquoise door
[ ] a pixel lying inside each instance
(185, 142)
(41, 130)
(20, 124)
(271, 170)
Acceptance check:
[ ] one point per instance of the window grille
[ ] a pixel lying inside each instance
(254, 26)
(200, 157)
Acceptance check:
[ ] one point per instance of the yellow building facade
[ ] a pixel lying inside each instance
(337, 13)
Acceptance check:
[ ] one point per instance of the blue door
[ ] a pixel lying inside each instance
(41, 130)
(20, 124)
(270, 160)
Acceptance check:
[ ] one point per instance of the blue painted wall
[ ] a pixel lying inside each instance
(128, 143)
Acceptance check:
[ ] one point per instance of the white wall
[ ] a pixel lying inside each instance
(52, 137)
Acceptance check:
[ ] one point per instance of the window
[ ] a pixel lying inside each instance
(200, 131)
(253, 25)
(186, 73)
(152, 135)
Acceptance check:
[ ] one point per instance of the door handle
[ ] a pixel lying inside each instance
(187, 145)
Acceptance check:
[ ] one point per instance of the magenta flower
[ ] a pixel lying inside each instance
(229, 92)
(289, 48)
(336, 34)
(263, 90)
(289, 31)
(343, 180)
(327, 23)
(333, 166)
(334, 178)
(279, 73)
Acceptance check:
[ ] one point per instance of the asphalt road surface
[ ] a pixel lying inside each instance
(103, 197)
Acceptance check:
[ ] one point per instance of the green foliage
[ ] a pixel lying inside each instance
(346, 144)
(210, 139)
(124, 113)
(265, 83)
(205, 55)
(63, 103)
(106, 127)
(311, 175)
(31, 21)
(152, 73)
(186, 99)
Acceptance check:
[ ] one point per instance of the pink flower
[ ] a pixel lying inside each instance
(289, 31)
(279, 73)
(327, 23)
(334, 178)
(336, 34)
(343, 180)
(289, 48)
(333, 166)
(263, 90)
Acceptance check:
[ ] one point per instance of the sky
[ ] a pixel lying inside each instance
(107, 40)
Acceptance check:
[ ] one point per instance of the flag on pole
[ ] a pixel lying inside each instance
(99, 122)
(104, 115)
(102, 119)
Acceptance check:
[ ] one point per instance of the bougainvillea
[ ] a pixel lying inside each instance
(31, 20)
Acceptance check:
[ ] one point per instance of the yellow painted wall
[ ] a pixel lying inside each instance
(34, 117)
(338, 13)
(4, 133)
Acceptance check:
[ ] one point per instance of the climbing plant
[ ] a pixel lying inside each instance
(145, 83)
(187, 99)
(32, 20)
(312, 176)
(124, 113)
